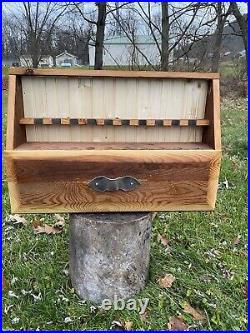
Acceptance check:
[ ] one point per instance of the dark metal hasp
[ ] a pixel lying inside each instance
(103, 184)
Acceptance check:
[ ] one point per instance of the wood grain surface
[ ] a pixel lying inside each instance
(111, 73)
(16, 133)
(128, 98)
(49, 167)
(113, 146)
(57, 181)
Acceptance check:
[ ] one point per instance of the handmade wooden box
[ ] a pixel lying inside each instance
(107, 141)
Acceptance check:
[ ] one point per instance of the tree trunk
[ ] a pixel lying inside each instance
(221, 19)
(100, 34)
(33, 49)
(242, 22)
(109, 254)
(165, 37)
(218, 39)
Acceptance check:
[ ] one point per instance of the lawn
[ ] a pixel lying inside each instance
(206, 253)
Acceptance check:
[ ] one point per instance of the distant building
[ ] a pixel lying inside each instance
(122, 51)
(66, 59)
(45, 61)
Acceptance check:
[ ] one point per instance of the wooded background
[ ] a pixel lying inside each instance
(187, 30)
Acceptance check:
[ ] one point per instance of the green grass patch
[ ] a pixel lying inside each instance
(209, 267)
(5, 70)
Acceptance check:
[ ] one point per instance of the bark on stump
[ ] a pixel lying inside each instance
(109, 254)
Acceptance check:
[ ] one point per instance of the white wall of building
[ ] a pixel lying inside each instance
(125, 54)
(128, 55)
(66, 58)
(46, 61)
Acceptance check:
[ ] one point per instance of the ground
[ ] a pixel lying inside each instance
(205, 252)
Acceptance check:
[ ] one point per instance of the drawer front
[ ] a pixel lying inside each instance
(59, 181)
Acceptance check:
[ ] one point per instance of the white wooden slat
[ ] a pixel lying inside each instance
(125, 98)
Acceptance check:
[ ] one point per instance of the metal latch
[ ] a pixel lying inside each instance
(103, 184)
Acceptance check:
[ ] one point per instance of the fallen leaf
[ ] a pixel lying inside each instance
(177, 324)
(4, 282)
(117, 326)
(36, 224)
(12, 294)
(225, 185)
(162, 240)
(25, 292)
(17, 219)
(65, 271)
(15, 320)
(51, 230)
(196, 314)
(144, 316)
(237, 240)
(128, 325)
(36, 297)
(60, 221)
(246, 292)
(7, 308)
(68, 320)
(59, 224)
(166, 281)
(46, 229)
(39, 230)
(14, 280)
(93, 309)
(59, 217)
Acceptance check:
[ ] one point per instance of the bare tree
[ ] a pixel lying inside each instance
(221, 20)
(242, 22)
(165, 37)
(168, 28)
(99, 22)
(38, 20)
(100, 28)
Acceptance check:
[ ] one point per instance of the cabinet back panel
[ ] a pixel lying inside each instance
(103, 98)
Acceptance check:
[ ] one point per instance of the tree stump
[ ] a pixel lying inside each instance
(109, 254)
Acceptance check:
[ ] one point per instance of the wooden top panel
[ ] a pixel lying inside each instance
(111, 73)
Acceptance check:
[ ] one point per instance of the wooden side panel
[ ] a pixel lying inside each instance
(212, 134)
(57, 181)
(16, 134)
(125, 98)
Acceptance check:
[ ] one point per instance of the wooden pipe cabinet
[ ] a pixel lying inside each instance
(112, 141)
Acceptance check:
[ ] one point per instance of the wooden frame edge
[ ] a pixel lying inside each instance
(216, 114)
(212, 134)
(214, 179)
(11, 112)
(111, 73)
(192, 208)
(138, 155)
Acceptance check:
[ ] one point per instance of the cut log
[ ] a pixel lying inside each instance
(109, 254)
